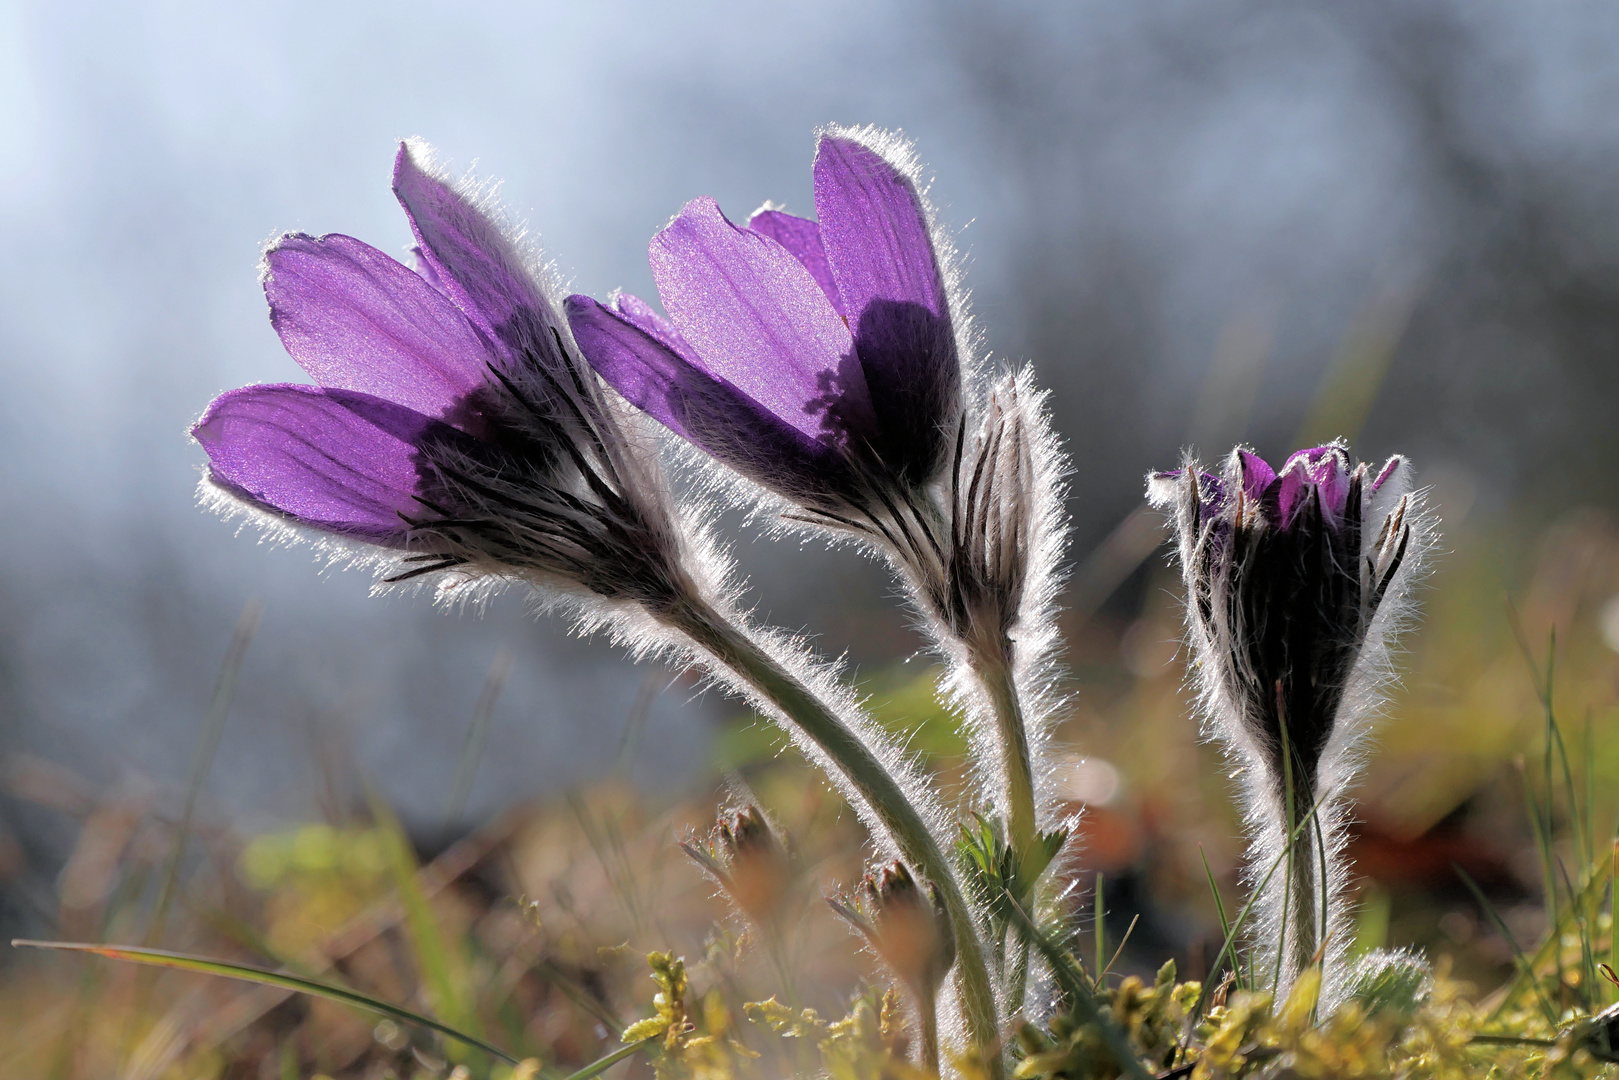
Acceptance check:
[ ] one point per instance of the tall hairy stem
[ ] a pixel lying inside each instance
(1017, 773)
(769, 680)
(1016, 764)
(1299, 904)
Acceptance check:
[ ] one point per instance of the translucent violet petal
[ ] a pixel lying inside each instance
(1257, 475)
(645, 360)
(470, 257)
(337, 460)
(1324, 468)
(355, 319)
(757, 319)
(802, 239)
(639, 313)
(880, 250)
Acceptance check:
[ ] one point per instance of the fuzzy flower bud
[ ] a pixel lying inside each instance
(905, 925)
(1296, 581)
(749, 862)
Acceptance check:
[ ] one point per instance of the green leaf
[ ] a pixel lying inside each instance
(223, 968)
(601, 1065)
(1071, 977)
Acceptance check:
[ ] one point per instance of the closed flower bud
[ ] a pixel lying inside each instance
(905, 925)
(1296, 581)
(749, 862)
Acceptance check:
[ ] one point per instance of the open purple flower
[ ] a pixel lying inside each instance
(1296, 581)
(818, 359)
(449, 423)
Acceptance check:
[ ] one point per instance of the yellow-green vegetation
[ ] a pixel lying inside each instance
(532, 933)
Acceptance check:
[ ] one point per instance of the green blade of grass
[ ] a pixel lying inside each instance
(1101, 929)
(202, 759)
(1525, 968)
(1071, 977)
(1613, 905)
(204, 965)
(466, 768)
(1125, 940)
(440, 966)
(1592, 895)
(578, 995)
(1543, 847)
(434, 958)
(1590, 795)
(1219, 907)
(601, 1065)
(1588, 962)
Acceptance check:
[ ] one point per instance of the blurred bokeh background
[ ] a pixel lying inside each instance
(1392, 221)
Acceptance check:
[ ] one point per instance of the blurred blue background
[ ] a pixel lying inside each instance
(1203, 222)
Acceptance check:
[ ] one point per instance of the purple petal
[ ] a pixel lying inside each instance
(881, 253)
(1211, 492)
(646, 367)
(757, 319)
(639, 314)
(357, 320)
(802, 239)
(1257, 476)
(659, 375)
(874, 229)
(470, 257)
(336, 460)
(1324, 468)
(424, 268)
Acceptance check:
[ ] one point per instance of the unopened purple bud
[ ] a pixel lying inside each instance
(1296, 579)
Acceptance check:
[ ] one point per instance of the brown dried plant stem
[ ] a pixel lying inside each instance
(799, 707)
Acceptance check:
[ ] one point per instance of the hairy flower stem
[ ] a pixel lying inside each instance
(1302, 895)
(1017, 770)
(927, 1029)
(798, 706)
(1017, 767)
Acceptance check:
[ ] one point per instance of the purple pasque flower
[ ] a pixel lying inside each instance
(450, 425)
(816, 358)
(1296, 580)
